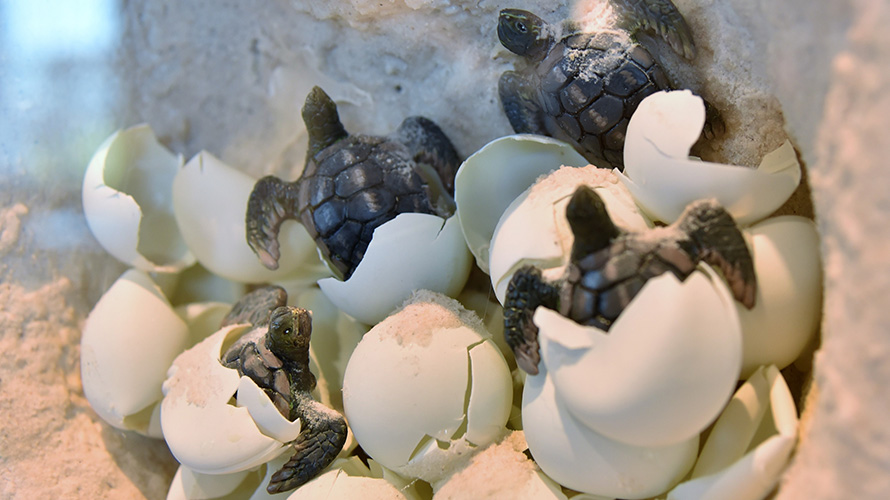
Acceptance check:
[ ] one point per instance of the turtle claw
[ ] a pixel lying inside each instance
(271, 202)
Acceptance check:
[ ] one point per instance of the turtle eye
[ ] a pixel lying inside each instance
(287, 331)
(520, 27)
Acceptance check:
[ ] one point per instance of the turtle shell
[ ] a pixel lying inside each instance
(589, 86)
(353, 186)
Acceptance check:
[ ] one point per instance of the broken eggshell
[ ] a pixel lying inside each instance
(749, 445)
(411, 252)
(533, 229)
(210, 202)
(664, 179)
(425, 387)
(127, 201)
(129, 340)
(490, 179)
(664, 370)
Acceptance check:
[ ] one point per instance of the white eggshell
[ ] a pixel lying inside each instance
(581, 459)
(204, 432)
(127, 201)
(338, 484)
(749, 445)
(491, 178)
(533, 230)
(129, 340)
(424, 375)
(268, 419)
(411, 252)
(190, 485)
(661, 374)
(664, 180)
(788, 304)
(203, 319)
(210, 203)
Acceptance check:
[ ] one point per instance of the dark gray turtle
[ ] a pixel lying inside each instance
(352, 184)
(608, 268)
(275, 354)
(584, 87)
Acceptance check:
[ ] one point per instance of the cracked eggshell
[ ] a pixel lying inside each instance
(426, 375)
(584, 460)
(128, 205)
(788, 304)
(411, 252)
(533, 230)
(129, 340)
(190, 485)
(210, 202)
(490, 179)
(204, 431)
(749, 445)
(664, 180)
(338, 484)
(661, 374)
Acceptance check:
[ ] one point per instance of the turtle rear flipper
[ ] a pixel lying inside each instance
(661, 17)
(526, 291)
(271, 202)
(715, 238)
(322, 437)
(520, 106)
(428, 144)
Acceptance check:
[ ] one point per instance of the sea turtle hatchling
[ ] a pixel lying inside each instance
(275, 355)
(608, 268)
(584, 87)
(351, 184)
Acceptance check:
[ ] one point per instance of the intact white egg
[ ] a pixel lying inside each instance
(129, 340)
(663, 371)
(127, 201)
(491, 178)
(210, 203)
(788, 306)
(411, 252)
(664, 180)
(425, 387)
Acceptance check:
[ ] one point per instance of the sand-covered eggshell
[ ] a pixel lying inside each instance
(411, 252)
(425, 376)
(127, 201)
(664, 180)
(210, 202)
(785, 317)
(129, 340)
(491, 178)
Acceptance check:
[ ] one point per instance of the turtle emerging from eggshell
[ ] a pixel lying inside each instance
(351, 184)
(584, 87)
(609, 267)
(275, 355)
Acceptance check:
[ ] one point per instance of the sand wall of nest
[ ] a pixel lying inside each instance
(230, 79)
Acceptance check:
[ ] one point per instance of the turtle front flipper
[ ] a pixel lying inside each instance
(322, 436)
(715, 238)
(526, 291)
(428, 144)
(271, 202)
(520, 106)
(661, 17)
(255, 307)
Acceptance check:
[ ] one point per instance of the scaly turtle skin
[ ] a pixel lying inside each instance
(608, 268)
(352, 184)
(584, 87)
(275, 355)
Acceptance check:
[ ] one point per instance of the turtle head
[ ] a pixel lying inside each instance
(590, 222)
(322, 121)
(289, 331)
(524, 34)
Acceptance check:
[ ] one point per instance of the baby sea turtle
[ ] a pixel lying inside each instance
(352, 184)
(608, 268)
(584, 87)
(275, 355)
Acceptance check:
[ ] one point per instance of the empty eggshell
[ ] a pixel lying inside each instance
(661, 374)
(422, 378)
(190, 485)
(129, 340)
(210, 202)
(411, 252)
(584, 460)
(788, 304)
(664, 180)
(127, 201)
(491, 178)
(337, 483)
(749, 445)
(533, 230)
